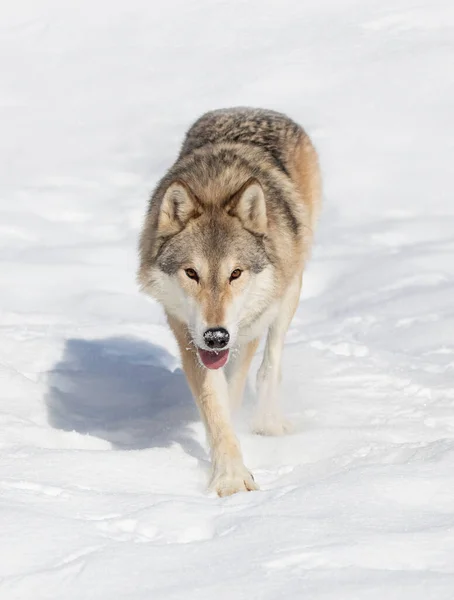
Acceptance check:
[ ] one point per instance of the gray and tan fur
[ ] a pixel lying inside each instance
(223, 248)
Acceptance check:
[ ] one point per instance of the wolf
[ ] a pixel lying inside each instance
(225, 240)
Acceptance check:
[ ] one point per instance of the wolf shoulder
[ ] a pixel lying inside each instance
(271, 130)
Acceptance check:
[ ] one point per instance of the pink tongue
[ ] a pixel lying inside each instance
(213, 360)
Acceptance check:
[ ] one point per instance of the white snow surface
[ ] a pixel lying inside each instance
(103, 459)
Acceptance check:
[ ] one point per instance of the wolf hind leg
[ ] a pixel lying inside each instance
(268, 419)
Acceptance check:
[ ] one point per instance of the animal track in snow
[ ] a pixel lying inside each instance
(150, 527)
(342, 348)
(30, 486)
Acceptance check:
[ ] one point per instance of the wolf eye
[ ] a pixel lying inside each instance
(235, 274)
(192, 274)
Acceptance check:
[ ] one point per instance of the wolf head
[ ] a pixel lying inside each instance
(209, 266)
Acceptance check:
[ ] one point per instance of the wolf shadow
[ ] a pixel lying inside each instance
(124, 390)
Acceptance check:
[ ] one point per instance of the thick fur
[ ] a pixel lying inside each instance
(243, 196)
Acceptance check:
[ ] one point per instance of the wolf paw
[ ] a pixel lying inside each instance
(272, 424)
(229, 480)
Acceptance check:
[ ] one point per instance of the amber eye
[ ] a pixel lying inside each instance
(192, 274)
(235, 274)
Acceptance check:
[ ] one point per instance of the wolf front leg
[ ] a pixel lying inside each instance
(237, 371)
(268, 418)
(210, 391)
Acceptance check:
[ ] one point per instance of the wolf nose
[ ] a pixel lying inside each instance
(216, 338)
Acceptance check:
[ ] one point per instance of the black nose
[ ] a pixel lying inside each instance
(216, 338)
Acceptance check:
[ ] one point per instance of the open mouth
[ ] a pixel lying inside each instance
(213, 359)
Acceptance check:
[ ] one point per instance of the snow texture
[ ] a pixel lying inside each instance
(103, 459)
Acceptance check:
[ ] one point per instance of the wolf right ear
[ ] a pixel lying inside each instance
(177, 208)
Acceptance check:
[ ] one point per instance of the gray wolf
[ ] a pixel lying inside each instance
(224, 244)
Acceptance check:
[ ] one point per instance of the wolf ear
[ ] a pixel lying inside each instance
(249, 206)
(177, 208)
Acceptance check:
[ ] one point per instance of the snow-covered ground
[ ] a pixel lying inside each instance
(103, 462)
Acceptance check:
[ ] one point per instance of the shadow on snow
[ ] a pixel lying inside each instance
(124, 391)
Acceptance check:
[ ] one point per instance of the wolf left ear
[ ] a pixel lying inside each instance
(177, 208)
(249, 206)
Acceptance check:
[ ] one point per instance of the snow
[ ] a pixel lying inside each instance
(103, 460)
